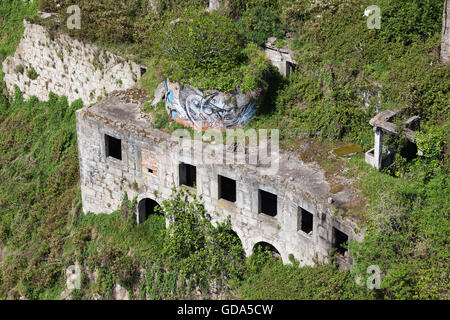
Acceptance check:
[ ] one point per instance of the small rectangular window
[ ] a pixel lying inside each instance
(188, 175)
(305, 220)
(267, 203)
(340, 239)
(227, 189)
(113, 147)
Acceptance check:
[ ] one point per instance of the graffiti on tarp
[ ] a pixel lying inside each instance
(192, 108)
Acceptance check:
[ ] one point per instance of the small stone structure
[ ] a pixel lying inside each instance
(292, 209)
(280, 57)
(66, 66)
(381, 124)
(215, 5)
(445, 44)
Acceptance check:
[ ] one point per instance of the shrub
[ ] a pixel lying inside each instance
(258, 24)
(32, 74)
(201, 46)
(431, 142)
(295, 13)
(194, 246)
(238, 7)
(408, 238)
(273, 280)
(410, 21)
(19, 68)
(256, 73)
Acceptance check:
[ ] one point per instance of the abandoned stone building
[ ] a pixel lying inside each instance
(382, 156)
(281, 58)
(291, 211)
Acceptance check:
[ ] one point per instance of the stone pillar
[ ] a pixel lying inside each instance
(378, 148)
(152, 5)
(215, 5)
(445, 44)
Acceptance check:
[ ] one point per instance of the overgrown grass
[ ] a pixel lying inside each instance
(39, 174)
(12, 14)
(276, 281)
(340, 60)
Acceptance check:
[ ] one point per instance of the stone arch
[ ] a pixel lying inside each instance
(243, 237)
(145, 208)
(235, 234)
(268, 246)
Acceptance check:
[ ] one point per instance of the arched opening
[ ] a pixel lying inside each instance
(236, 241)
(146, 207)
(267, 248)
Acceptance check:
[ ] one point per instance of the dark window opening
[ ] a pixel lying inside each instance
(267, 203)
(227, 189)
(146, 207)
(188, 175)
(306, 220)
(290, 68)
(113, 147)
(267, 248)
(340, 240)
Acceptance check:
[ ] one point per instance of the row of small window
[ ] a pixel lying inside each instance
(267, 202)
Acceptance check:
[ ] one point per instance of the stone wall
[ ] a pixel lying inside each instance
(282, 58)
(196, 109)
(104, 180)
(66, 66)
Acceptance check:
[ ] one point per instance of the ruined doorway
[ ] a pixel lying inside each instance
(290, 68)
(146, 207)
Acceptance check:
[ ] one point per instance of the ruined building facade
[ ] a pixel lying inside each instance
(291, 210)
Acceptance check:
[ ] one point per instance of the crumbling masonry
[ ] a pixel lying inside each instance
(292, 211)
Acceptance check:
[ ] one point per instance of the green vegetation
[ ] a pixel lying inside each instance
(197, 249)
(19, 69)
(12, 14)
(341, 61)
(258, 24)
(201, 48)
(39, 174)
(408, 231)
(276, 281)
(411, 21)
(32, 74)
(346, 74)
